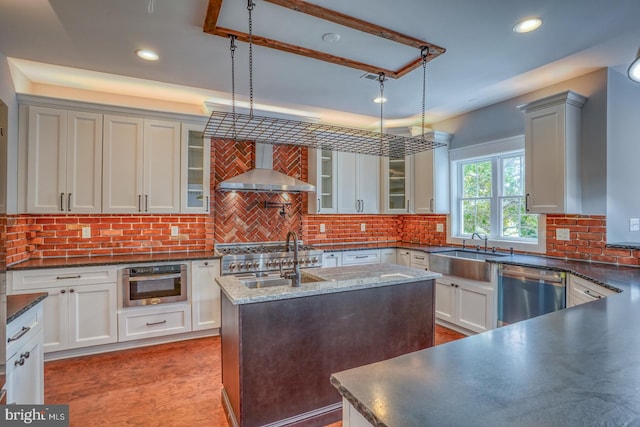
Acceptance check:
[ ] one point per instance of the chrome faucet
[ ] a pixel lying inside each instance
(485, 238)
(293, 274)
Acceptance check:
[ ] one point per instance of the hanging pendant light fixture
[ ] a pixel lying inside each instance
(278, 131)
(634, 69)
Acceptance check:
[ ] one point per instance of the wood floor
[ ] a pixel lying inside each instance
(169, 385)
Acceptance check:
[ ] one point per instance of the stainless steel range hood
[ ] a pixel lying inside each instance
(264, 178)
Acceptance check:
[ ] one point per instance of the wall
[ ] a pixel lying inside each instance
(623, 157)
(503, 120)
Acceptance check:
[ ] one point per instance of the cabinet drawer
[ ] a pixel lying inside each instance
(586, 290)
(361, 257)
(153, 322)
(44, 278)
(419, 259)
(23, 328)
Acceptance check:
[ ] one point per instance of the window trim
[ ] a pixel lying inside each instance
(479, 151)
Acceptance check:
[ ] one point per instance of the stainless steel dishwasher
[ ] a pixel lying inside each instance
(525, 292)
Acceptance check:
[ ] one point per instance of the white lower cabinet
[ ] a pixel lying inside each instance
(80, 311)
(468, 304)
(25, 358)
(154, 321)
(331, 259)
(351, 417)
(582, 291)
(205, 294)
(370, 256)
(419, 260)
(388, 255)
(403, 257)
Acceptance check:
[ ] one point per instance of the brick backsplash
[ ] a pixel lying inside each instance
(242, 217)
(422, 229)
(347, 228)
(44, 236)
(587, 240)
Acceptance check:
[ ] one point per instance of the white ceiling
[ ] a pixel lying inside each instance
(485, 61)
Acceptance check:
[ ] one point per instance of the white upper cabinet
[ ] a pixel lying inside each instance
(195, 170)
(141, 165)
(323, 168)
(418, 183)
(359, 189)
(64, 161)
(552, 153)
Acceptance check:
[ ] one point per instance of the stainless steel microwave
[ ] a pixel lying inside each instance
(151, 285)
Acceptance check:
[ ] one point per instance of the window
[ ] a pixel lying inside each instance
(488, 197)
(491, 198)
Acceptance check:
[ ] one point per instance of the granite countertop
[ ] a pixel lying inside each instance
(331, 280)
(114, 259)
(21, 303)
(574, 367)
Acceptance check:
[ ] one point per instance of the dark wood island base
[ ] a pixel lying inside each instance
(278, 356)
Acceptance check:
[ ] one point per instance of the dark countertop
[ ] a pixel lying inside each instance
(115, 259)
(574, 367)
(21, 303)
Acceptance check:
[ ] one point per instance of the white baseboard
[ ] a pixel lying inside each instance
(97, 349)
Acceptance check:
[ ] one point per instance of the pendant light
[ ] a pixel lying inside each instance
(634, 69)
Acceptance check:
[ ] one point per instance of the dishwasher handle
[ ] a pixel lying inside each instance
(556, 278)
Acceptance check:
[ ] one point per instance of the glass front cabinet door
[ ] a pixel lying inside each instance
(196, 157)
(322, 174)
(397, 184)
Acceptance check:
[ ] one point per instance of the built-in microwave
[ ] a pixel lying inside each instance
(150, 285)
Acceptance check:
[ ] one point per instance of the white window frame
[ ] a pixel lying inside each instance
(478, 152)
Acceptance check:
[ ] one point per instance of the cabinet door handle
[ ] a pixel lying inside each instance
(526, 202)
(61, 202)
(361, 256)
(156, 323)
(588, 293)
(146, 202)
(71, 290)
(139, 202)
(408, 205)
(69, 202)
(68, 277)
(19, 362)
(208, 205)
(20, 334)
(26, 355)
(361, 205)
(319, 207)
(63, 291)
(431, 205)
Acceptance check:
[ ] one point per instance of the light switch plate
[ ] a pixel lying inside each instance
(322, 228)
(86, 232)
(439, 228)
(363, 227)
(562, 234)
(634, 224)
(174, 230)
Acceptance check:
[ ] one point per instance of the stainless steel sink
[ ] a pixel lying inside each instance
(272, 281)
(468, 264)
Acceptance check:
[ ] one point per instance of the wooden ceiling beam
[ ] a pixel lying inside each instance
(213, 12)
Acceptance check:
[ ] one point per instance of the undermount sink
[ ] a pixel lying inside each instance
(271, 281)
(467, 264)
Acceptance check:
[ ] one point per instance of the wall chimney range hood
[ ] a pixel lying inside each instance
(263, 178)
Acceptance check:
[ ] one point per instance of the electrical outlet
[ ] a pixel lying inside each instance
(439, 228)
(634, 224)
(86, 232)
(174, 230)
(363, 227)
(562, 234)
(322, 228)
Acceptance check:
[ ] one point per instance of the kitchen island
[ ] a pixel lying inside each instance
(280, 344)
(574, 367)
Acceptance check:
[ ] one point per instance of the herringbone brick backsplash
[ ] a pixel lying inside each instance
(242, 217)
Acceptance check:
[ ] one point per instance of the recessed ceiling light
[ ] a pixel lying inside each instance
(147, 55)
(380, 100)
(527, 25)
(331, 37)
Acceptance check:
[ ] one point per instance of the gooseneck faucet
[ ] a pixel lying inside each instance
(293, 274)
(485, 238)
